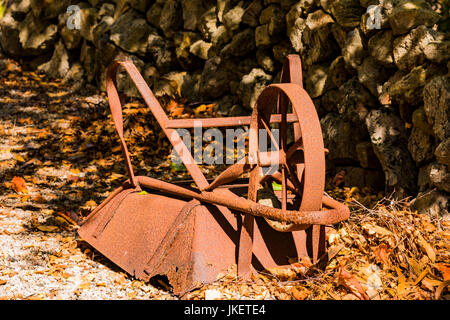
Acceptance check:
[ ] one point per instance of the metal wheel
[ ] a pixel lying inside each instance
(301, 166)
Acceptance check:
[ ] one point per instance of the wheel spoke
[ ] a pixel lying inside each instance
(293, 177)
(269, 132)
(283, 189)
(298, 145)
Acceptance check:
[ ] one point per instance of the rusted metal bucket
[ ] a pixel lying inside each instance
(191, 234)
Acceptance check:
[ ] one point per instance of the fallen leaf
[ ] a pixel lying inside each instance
(401, 286)
(39, 199)
(346, 279)
(47, 228)
(19, 158)
(441, 288)
(284, 274)
(444, 268)
(426, 247)
(18, 184)
(421, 276)
(430, 283)
(381, 253)
(91, 203)
(374, 229)
(300, 294)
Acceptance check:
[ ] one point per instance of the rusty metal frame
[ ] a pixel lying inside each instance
(303, 162)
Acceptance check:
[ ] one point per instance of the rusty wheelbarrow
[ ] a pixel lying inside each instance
(191, 234)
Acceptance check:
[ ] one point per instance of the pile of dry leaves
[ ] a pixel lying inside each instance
(388, 252)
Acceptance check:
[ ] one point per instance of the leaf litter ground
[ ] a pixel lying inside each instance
(59, 158)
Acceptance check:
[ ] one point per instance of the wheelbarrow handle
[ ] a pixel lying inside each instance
(224, 197)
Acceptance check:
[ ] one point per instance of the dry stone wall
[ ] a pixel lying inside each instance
(377, 70)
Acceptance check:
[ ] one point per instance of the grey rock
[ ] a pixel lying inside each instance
(408, 14)
(421, 145)
(208, 23)
(419, 120)
(381, 46)
(243, 43)
(221, 36)
(339, 34)
(187, 83)
(130, 32)
(275, 18)
(224, 106)
(150, 74)
(101, 30)
(252, 12)
(265, 60)
(36, 37)
(107, 9)
(262, 36)
(105, 52)
(370, 26)
(340, 138)
(353, 51)
(192, 12)
(337, 73)
(88, 19)
(295, 33)
(372, 75)
(215, 80)
(325, 4)
(183, 42)
(48, 9)
(75, 75)
(347, 12)
(162, 50)
(316, 80)
(423, 178)
(281, 50)
(307, 5)
(252, 85)
(171, 18)
(407, 89)
(440, 176)
(354, 101)
(154, 13)
(438, 51)
(58, 66)
(432, 202)
(318, 38)
(366, 3)
(408, 50)
(329, 100)
(222, 7)
(18, 9)
(442, 152)
(389, 139)
(140, 5)
(233, 18)
(11, 43)
(71, 38)
(201, 49)
(436, 97)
